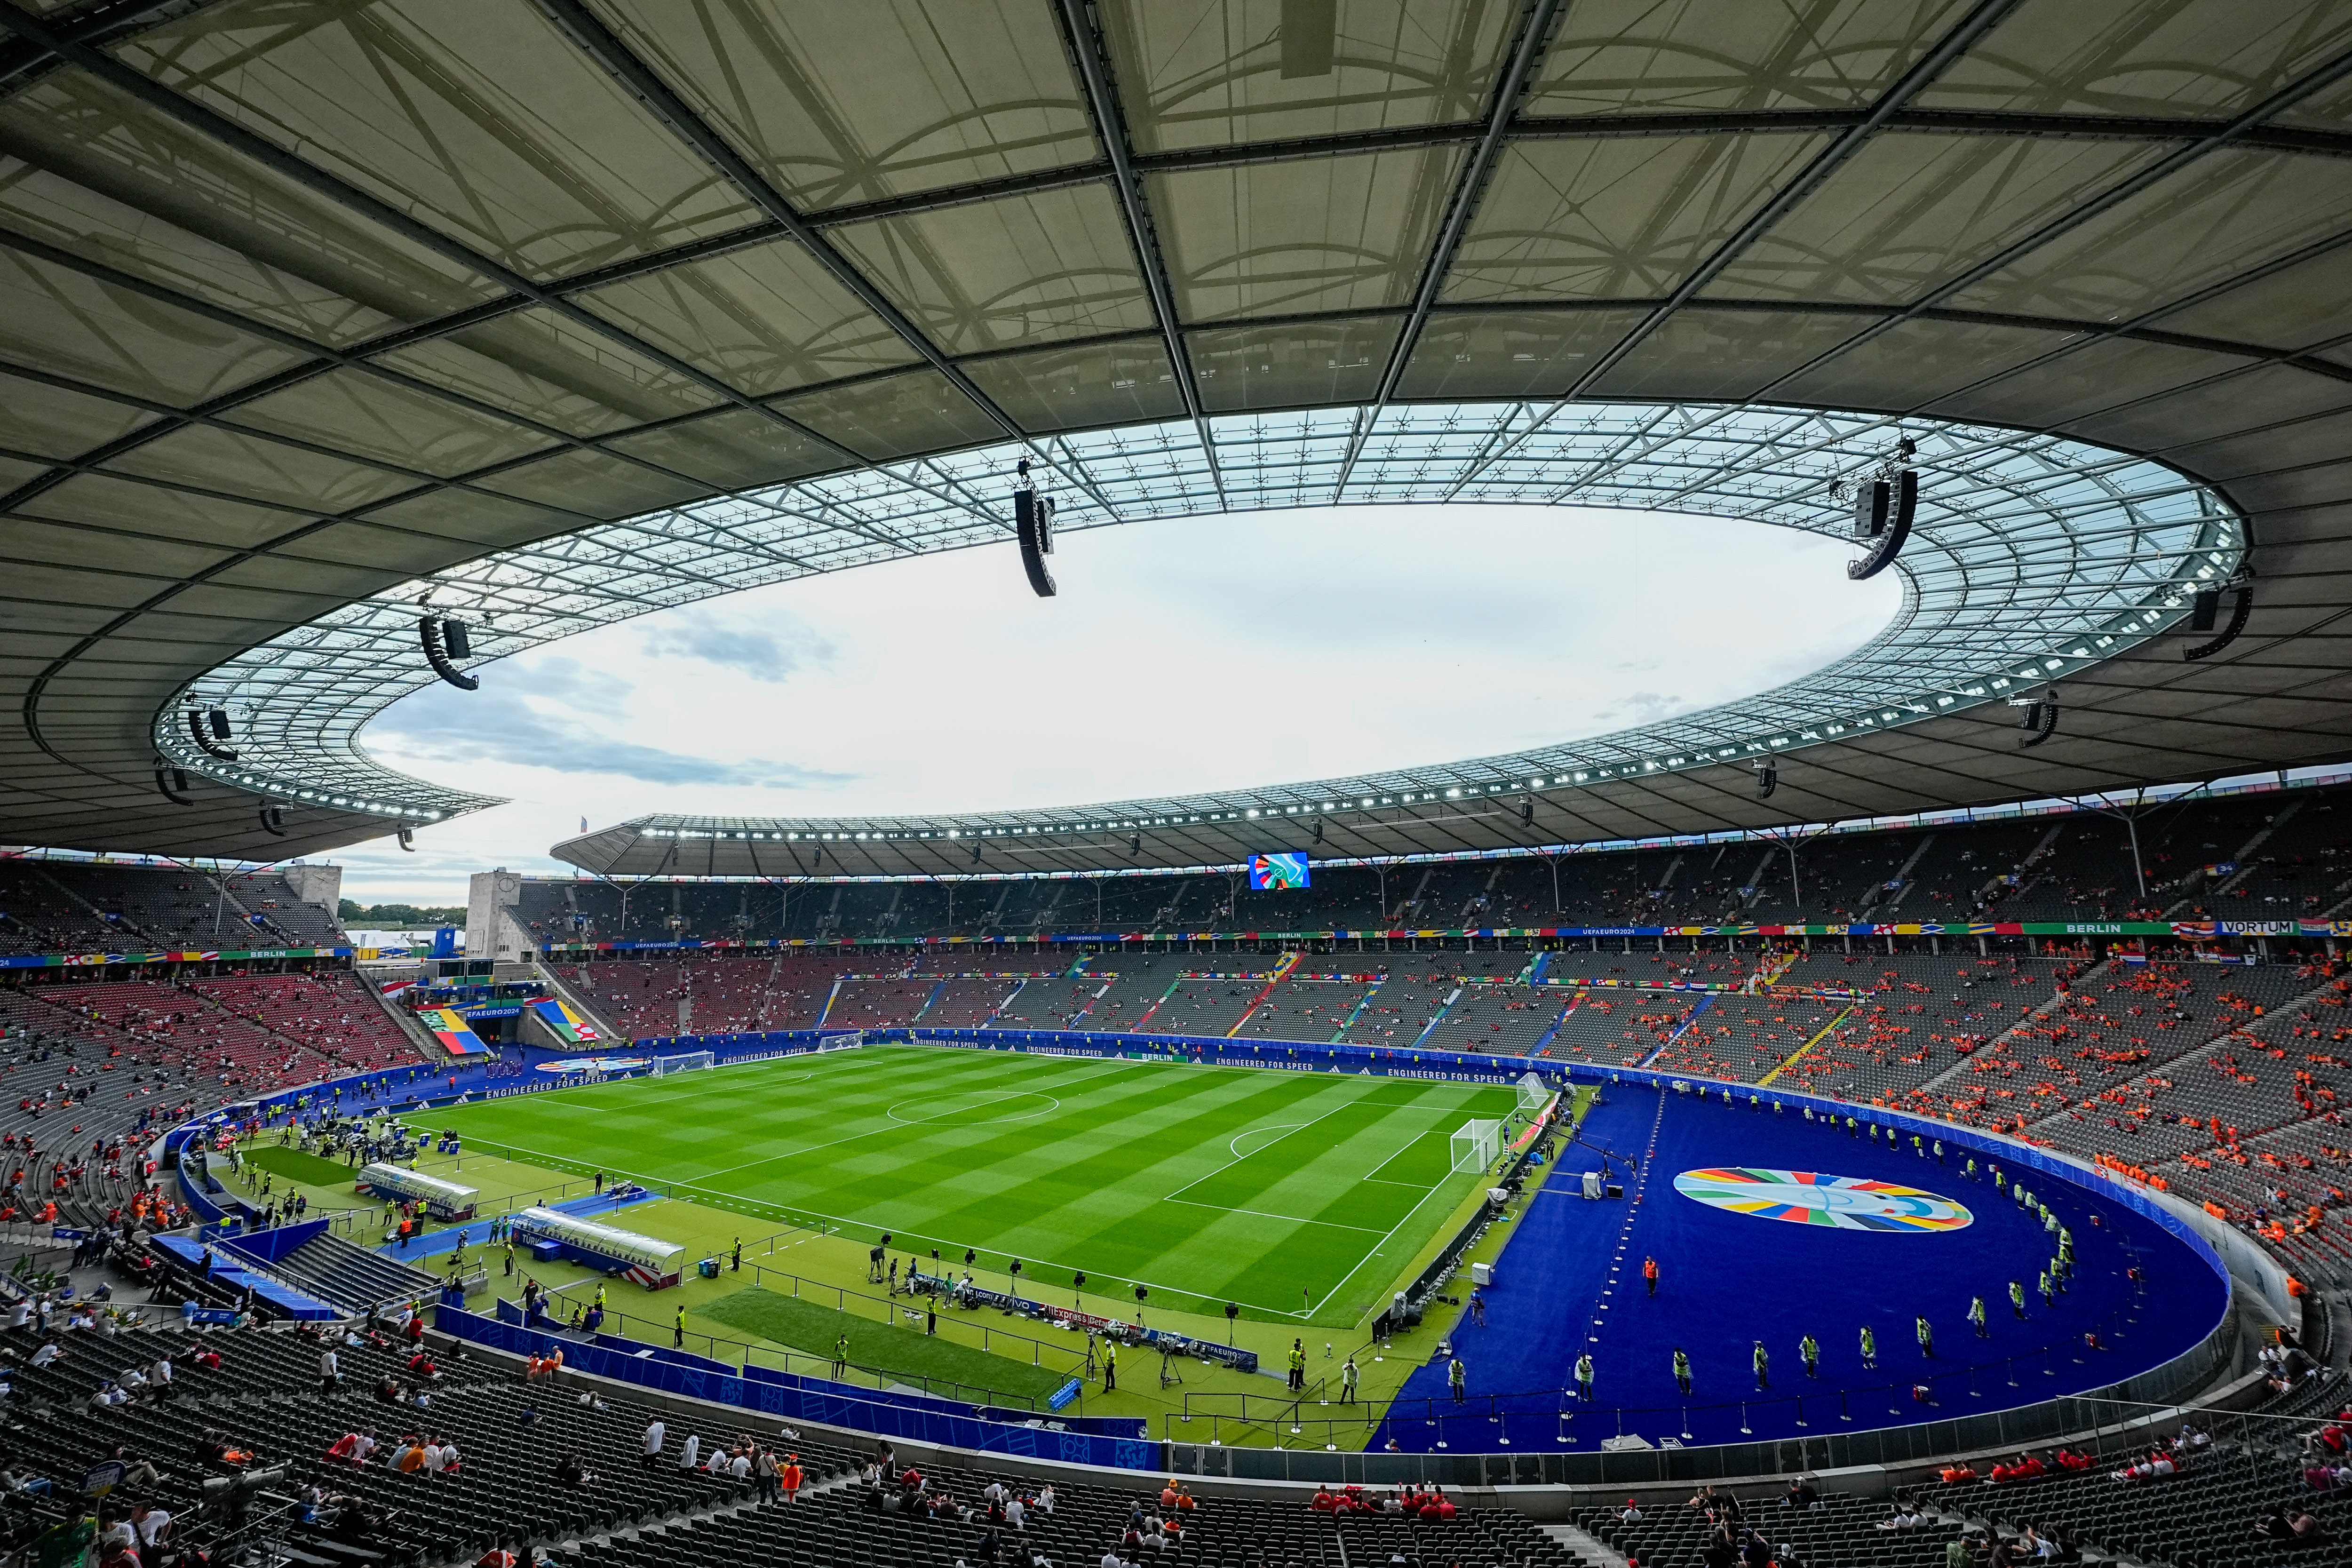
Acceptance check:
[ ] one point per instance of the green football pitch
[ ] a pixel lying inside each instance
(1297, 1196)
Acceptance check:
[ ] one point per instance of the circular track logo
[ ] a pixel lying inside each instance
(1806, 1197)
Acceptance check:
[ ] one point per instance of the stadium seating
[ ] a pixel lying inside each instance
(1843, 1530)
(1306, 1009)
(71, 906)
(965, 1004)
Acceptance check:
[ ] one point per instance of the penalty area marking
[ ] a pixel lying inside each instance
(1261, 1213)
(1233, 1144)
(1374, 1176)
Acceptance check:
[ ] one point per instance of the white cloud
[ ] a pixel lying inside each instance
(1200, 653)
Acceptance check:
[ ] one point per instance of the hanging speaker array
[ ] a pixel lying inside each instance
(2205, 612)
(2037, 716)
(1033, 517)
(1883, 512)
(445, 639)
(209, 729)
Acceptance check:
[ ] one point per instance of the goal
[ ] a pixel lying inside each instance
(683, 1062)
(1533, 1094)
(1475, 1144)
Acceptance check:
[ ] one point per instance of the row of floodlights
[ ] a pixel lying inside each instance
(211, 729)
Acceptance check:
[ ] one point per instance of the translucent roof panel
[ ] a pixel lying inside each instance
(765, 319)
(1576, 218)
(1659, 56)
(1203, 73)
(2033, 557)
(1912, 211)
(1009, 273)
(2171, 58)
(377, 290)
(481, 118)
(844, 103)
(1334, 234)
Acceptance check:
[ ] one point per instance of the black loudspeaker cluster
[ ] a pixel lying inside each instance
(2037, 716)
(445, 639)
(2205, 612)
(1033, 516)
(209, 729)
(1883, 512)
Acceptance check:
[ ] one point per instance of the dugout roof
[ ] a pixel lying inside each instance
(567, 310)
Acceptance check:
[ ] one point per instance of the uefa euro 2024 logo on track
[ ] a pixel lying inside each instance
(1805, 1197)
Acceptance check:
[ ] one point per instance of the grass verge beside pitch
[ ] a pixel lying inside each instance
(885, 1347)
(297, 1166)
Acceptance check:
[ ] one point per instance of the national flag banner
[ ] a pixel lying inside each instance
(391, 988)
(563, 1023)
(456, 1037)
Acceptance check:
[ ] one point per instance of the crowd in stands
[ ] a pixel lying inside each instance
(80, 906)
(239, 1034)
(2267, 854)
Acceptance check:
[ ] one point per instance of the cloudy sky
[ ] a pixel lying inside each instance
(1203, 653)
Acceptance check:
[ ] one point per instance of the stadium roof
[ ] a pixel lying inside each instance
(571, 309)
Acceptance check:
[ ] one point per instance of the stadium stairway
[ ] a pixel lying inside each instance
(352, 1276)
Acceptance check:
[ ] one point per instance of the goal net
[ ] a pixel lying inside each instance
(1476, 1145)
(1533, 1094)
(685, 1061)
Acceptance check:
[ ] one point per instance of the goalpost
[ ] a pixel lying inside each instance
(685, 1061)
(1476, 1145)
(1533, 1094)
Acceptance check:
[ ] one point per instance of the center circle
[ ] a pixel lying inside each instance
(1807, 1197)
(965, 1109)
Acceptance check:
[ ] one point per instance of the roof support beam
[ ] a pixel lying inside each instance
(2279, 103)
(1082, 35)
(207, 122)
(1536, 22)
(1981, 18)
(589, 32)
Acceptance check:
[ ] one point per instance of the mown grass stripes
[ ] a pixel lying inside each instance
(1269, 1189)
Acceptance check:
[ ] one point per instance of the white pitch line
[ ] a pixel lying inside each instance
(892, 1126)
(1375, 1252)
(1261, 1213)
(1254, 1153)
